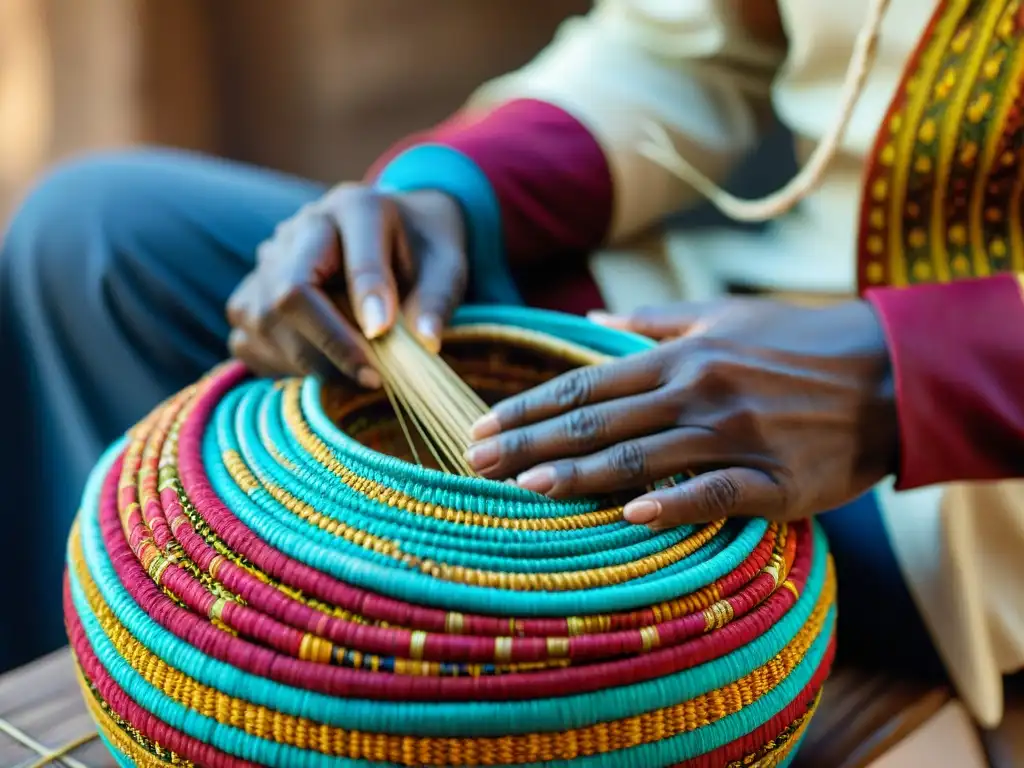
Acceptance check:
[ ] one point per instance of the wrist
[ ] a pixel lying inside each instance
(434, 170)
(865, 343)
(883, 424)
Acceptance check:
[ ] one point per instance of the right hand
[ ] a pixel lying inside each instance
(358, 242)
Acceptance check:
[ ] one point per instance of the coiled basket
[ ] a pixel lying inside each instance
(258, 577)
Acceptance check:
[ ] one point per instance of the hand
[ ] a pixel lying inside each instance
(367, 245)
(777, 411)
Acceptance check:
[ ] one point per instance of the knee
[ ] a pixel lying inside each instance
(79, 212)
(76, 196)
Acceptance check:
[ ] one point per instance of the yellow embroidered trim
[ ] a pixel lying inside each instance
(942, 194)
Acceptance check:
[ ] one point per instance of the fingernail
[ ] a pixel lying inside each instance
(538, 480)
(607, 319)
(428, 328)
(641, 512)
(483, 455)
(373, 316)
(486, 426)
(368, 377)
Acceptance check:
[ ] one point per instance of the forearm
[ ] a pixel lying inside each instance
(957, 352)
(546, 160)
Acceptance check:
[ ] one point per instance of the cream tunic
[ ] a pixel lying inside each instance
(707, 71)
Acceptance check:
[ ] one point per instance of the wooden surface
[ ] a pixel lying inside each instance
(863, 719)
(949, 738)
(1005, 745)
(42, 700)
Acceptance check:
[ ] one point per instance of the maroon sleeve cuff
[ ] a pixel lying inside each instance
(436, 135)
(549, 174)
(957, 352)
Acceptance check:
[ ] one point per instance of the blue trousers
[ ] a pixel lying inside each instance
(113, 278)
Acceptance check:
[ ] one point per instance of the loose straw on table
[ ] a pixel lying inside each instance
(60, 755)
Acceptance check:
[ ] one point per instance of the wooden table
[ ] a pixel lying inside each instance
(864, 720)
(43, 701)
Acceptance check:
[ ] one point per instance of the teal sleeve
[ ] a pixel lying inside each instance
(434, 166)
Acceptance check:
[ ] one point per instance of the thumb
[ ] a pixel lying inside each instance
(734, 492)
(439, 289)
(665, 322)
(434, 221)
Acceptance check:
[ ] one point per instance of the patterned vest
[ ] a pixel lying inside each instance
(942, 193)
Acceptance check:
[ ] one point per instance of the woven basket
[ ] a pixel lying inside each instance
(259, 576)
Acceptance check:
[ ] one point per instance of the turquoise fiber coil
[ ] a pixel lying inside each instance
(259, 576)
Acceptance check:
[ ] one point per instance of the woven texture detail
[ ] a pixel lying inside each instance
(258, 576)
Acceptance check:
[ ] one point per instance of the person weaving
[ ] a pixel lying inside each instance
(581, 149)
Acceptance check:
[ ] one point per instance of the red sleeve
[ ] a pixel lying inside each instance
(449, 127)
(957, 353)
(549, 174)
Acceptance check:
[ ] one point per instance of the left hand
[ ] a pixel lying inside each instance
(777, 411)
(365, 244)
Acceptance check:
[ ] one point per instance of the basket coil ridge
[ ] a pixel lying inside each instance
(250, 583)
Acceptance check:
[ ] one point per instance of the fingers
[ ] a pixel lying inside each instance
(257, 356)
(367, 222)
(434, 224)
(283, 311)
(439, 289)
(734, 492)
(626, 465)
(676, 319)
(592, 384)
(250, 341)
(284, 323)
(579, 432)
(288, 354)
(303, 358)
(309, 311)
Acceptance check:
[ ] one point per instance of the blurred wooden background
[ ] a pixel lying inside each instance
(312, 87)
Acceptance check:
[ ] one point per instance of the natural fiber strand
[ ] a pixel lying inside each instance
(257, 576)
(60, 755)
(659, 147)
(427, 392)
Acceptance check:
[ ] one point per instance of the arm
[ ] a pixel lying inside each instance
(544, 160)
(956, 352)
(958, 362)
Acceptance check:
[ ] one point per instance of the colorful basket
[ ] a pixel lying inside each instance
(257, 577)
